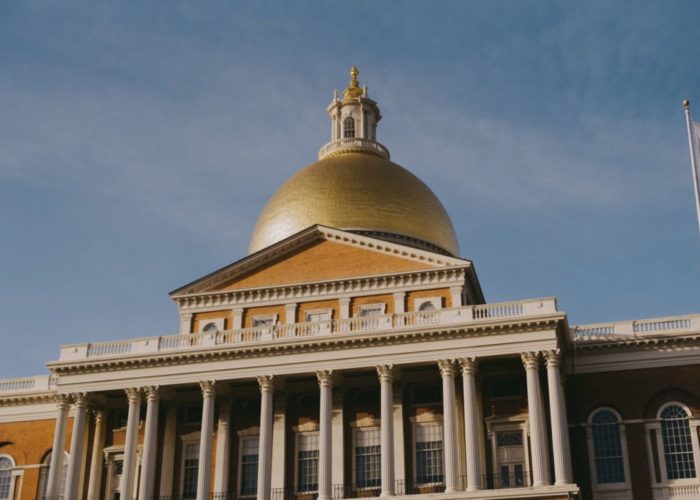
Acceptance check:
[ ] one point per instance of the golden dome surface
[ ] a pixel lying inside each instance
(357, 192)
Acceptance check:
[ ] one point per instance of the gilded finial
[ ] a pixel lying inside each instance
(686, 103)
(353, 89)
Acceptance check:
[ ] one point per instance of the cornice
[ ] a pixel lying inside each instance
(337, 288)
(28, 398)
(298, 345)
(643, 342)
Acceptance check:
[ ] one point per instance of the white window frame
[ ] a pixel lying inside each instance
(414, 432)
(435, 301)
(218, 322)
(187, 439)
(374, 306)
(623, 490)
(497, 426)
(354, 127)
(355, 431)
(694, 423)
(272, 318)
(322, 326)
(14, 474)
(297, 438)
(241, 439)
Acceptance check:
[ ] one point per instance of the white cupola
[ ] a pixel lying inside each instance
(354, 121)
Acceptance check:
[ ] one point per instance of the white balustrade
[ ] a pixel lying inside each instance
(282, 332)
(353, 143)
(37, 383)
(621, 330)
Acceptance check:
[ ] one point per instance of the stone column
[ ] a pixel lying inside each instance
(150, 440)
(560, 427)
(207, 429)
(96, 458)
(223, 447)
(76, 446)
(53, 486)
(472, 421)
(447, 371)
(168, 462)
(338, 460)
(399, 302)
(265, 444)
(538, 448)
(386, 379)
(344, 307)
(325, 446)
(132, 429)
(290, 314)
(237, 318)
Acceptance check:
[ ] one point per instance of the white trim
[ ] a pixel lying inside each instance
(297, 437)
(263, 318)
(219, 323)
(421, 301)
(13, 475)
(414, 440)
(355, 430)
(187, 439)
(242, 437)
(373, 306)
(622, 490)
(497, 425)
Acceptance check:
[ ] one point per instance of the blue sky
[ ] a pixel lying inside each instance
(139, 141)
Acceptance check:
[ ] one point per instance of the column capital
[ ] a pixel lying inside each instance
(447, 367)
(62, 401)
(99, 415)
(186, 315)
(152, 393)
(265, 382)
(399, 295)
(552, 358)
(133, 394)
(80, 399)
(344, 301)
(238, 309)
(207, 386)
(530, 359)
(470, 365)
(325, 378)
(386, 373)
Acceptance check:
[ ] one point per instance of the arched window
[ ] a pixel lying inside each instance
(6, 465)
(210, 328)
(349, 127)
(44, 476)
(427, 306)
(607, 447)
(678, 445)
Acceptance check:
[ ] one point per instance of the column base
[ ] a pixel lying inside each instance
(324, 497)
(387, 494)
(451, 489)
(472, 489)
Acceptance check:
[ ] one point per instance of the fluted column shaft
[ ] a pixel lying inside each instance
(132, 429)
(168, 455)
(223, 448)
(325, 446)
(447, 370)
(148, 467)
(96, 459)
(560, 427)
(265, 443)
(386, 379)
(76, 446)
(205, 437)
(536, 417)
(471, 423)
(53, 487)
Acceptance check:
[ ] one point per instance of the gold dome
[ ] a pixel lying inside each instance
(356, 192)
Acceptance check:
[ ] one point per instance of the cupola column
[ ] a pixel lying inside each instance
(386, 379)
(148, 467)
(205, 437)
(325, 444)
(471, 423)
(447, 370)
(538, 433)
(53, 486)
(265, 443)
(76, 445)
(132, 430)
(560, 428)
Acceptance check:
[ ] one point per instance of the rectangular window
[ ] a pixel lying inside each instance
(190, 469)
(368, 468)
(264, 320)
(372, 309)
(307, 462)
(429, 456)
(249, 466)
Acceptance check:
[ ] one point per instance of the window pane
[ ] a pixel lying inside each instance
(190, 471)
(367, 458)
(678, 447)
(5, 477)
(307, 463)
(607, 448)
(249, 466)
(429, 457)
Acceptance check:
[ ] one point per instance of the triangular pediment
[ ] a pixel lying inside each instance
(318, 254)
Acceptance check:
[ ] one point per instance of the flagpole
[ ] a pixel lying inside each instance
(693, 159)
